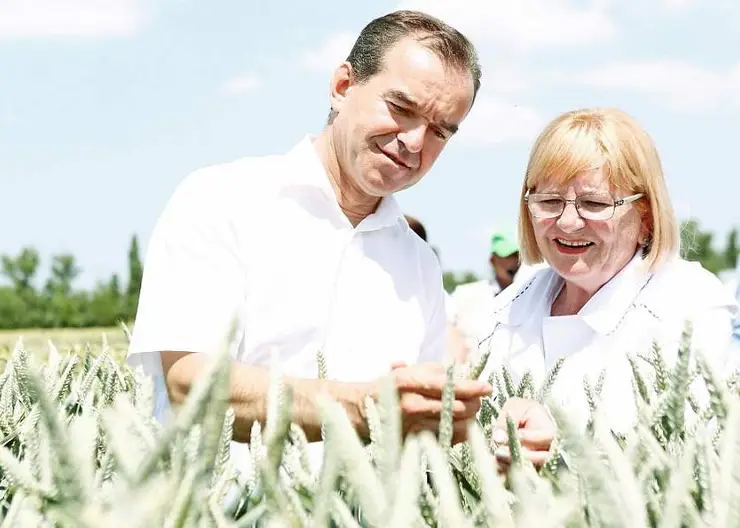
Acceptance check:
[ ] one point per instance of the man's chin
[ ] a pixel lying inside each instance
(386, 184)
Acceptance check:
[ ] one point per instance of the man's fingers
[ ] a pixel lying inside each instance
(459, 428)
(416, 405)
(468, 389)
(432, 387)
(459, 431)
(423, 424)
(430, 379)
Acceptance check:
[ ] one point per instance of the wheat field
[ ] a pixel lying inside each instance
(61, 337)
(81, 449)
(37, 340)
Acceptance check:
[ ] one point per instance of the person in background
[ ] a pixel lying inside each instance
(455, 341)
(472, 301)
(368, 292)
(595, 206)
(417, 227)
(504, 259)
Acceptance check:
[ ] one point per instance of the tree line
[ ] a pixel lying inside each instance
(58, 303)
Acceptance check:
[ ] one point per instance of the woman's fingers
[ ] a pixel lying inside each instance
(536, 439)
(538, 458)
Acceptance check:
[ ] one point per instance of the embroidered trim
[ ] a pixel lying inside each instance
(498, 323)
(634, 305)
(531, 281)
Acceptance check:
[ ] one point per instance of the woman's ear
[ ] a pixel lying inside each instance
(646, 226)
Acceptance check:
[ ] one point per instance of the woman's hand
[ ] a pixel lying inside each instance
(535, 429)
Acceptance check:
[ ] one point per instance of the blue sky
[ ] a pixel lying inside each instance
(105, 105)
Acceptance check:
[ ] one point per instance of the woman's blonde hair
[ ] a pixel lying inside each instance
(602, 137)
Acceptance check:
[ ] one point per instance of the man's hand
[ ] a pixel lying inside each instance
(420, 397)
(535, 428)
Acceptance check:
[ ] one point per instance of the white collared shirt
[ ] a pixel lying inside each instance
(264, 238)
(472, 305)
(623, 317)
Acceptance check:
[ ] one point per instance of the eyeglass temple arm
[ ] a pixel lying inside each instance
(628, 199)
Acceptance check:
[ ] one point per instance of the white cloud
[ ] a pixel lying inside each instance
(678, 5)
(330, 53)
(684, 7)
(676, 84)
(241, 85)
(507, 79)
(495, 120)
(67, 18)
(523, 25)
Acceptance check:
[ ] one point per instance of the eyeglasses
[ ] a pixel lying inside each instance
(588, 206)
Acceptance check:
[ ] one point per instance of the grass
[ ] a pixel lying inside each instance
(62, 337)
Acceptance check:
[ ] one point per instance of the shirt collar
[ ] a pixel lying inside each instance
(513, 306)
(311, 171)
(602, 312)
(606, 308)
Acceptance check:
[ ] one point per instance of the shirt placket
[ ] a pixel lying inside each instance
(327, 336)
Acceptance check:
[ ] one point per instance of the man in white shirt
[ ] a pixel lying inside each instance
(312, 252)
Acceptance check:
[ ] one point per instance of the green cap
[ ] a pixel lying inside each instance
(503, 244)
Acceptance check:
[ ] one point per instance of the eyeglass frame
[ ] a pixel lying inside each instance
(617, 203)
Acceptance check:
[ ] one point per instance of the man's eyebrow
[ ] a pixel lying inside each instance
(452, 129)
(403, 97)
(408, 101)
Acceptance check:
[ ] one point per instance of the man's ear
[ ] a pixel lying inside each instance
(341, 83)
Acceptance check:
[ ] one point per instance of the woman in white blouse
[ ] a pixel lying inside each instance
(595, 207)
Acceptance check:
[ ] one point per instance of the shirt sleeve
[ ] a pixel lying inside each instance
(434, 347)
(193, 283)
(712, 322)
(712, 337)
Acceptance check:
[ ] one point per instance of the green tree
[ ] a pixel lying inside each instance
(13, 309)
(62, 306)
(107, 303)
(21, 270)
(452, 280)
(64, 271)
(731, 250)
(135, 273)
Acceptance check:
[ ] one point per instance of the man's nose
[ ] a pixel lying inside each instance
(413, 138)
